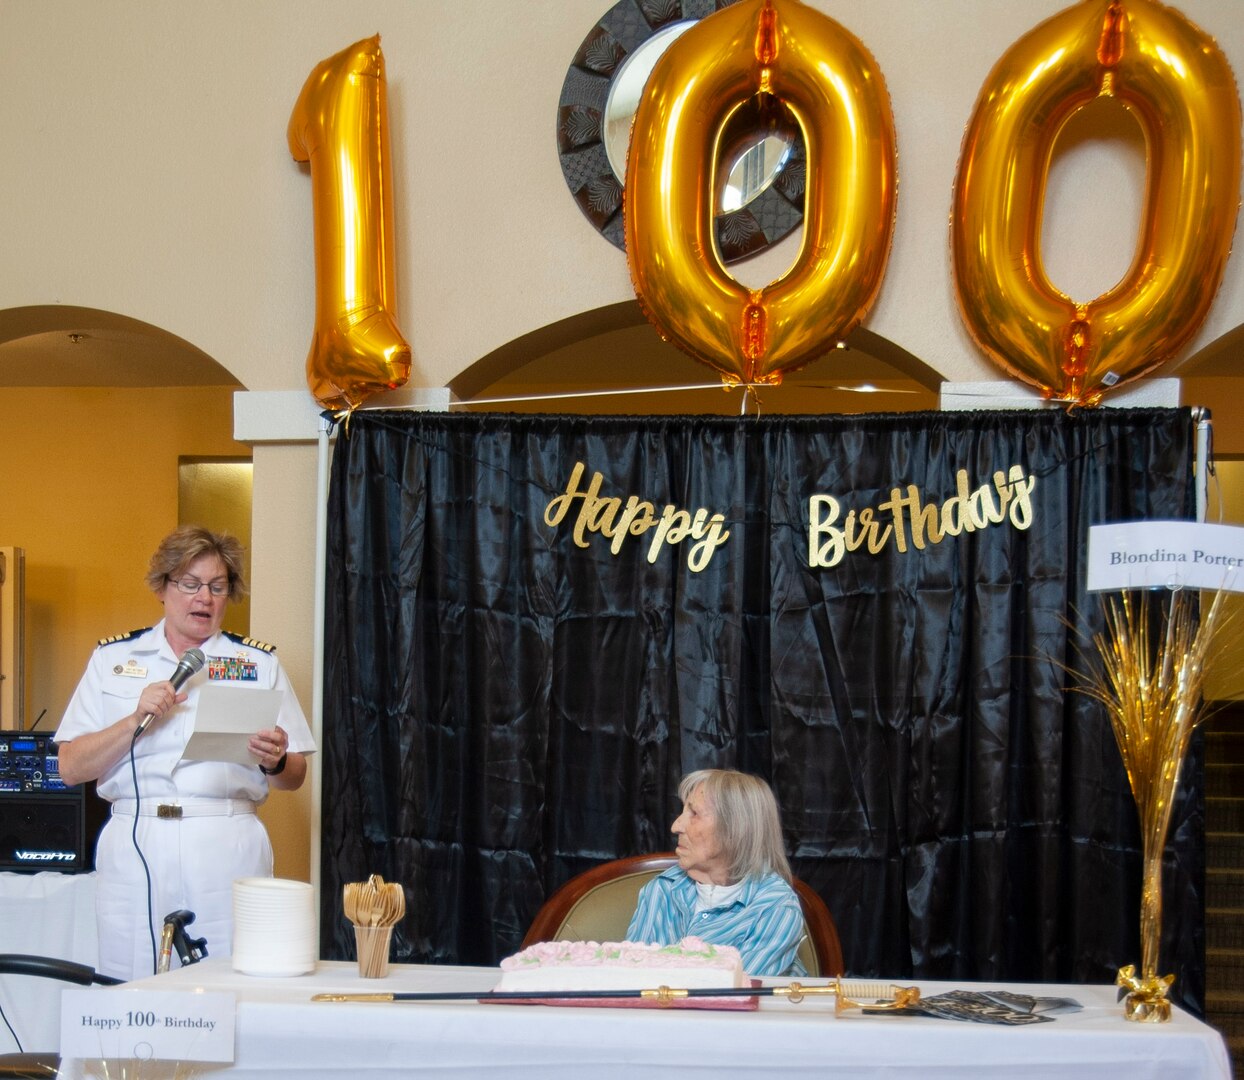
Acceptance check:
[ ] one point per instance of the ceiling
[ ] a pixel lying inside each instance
(607, 355)
(615, 359)
(612, 357)
(631, 370)
(1218, 359)
(58, 345)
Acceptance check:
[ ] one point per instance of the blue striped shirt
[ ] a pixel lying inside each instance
(764, 922)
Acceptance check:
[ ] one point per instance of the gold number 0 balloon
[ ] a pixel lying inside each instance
(1180, 88)
(340, 124)
(833, 87)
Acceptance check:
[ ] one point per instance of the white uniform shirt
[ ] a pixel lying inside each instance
(118, 671)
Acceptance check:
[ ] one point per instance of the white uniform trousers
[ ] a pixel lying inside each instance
(193, 862)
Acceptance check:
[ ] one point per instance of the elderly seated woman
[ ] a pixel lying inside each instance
(732, 884)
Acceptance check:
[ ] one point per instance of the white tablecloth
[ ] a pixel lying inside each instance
(46, 914)
(281, 1032)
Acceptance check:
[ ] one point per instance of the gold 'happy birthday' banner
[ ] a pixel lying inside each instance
(911, 520)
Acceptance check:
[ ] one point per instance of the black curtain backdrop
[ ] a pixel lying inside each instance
(505, 708)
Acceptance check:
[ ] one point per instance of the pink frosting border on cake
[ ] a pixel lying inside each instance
(690, 952)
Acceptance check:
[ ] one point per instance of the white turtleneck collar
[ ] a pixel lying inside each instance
(709, 896)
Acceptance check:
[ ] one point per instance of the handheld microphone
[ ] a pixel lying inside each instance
(191, 661)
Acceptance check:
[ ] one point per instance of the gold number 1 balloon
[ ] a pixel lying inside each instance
(786, 51)
(1177, 84)
(340, 124)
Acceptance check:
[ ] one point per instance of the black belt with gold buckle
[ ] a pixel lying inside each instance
(164, 810)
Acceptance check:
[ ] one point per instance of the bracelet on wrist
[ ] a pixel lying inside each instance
(280, 767)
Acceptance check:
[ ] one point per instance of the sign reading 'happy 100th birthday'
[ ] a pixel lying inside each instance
(905, 519)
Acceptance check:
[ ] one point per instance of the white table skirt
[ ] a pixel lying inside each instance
(281, 1032)
(45, 914)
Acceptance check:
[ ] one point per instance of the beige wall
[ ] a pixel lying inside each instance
(145, 172)
(1224, 674)
(282, 604)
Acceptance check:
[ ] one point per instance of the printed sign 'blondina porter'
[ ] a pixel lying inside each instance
(1170, 554)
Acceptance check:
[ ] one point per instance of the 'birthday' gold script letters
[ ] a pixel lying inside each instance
(929, 523)
(617, 520)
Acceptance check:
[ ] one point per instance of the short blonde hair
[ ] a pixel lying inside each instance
(190, 542)
(748, 826)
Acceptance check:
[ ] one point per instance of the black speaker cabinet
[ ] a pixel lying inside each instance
(44, 831)
(44, 825)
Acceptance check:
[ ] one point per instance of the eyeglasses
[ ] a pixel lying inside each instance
(191, 586)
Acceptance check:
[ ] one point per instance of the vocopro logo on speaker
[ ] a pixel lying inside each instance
(44, 856)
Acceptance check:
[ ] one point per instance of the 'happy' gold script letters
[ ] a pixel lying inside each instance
(929, 523)
(617, 520)
(904, 518)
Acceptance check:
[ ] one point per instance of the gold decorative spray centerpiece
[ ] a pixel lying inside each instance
(1150, 683)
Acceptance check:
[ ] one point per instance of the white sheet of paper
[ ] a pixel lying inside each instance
(227, 717)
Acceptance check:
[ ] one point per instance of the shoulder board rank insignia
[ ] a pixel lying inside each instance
(250, 642)
(122, 637)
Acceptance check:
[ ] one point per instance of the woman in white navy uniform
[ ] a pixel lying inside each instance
(197, 827)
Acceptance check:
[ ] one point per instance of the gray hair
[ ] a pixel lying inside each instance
(748, 825)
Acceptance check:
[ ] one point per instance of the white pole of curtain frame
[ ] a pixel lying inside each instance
(1204, 428)
(317, 648)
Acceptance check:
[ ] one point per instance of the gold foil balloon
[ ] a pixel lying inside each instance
(1178, 85)
(783, 50)
(340, 124)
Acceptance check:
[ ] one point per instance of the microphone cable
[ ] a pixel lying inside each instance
(191, 662)
(155, 954)
(18, 1041)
